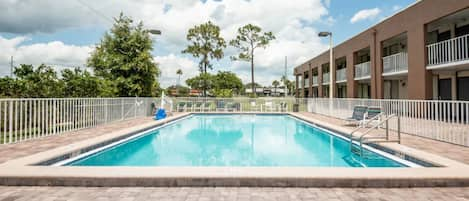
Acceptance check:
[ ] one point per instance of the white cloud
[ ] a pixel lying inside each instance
(170, 64)
(290, 22)
(53, 53)
(367, 14)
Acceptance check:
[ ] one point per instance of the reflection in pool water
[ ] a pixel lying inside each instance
(236, 140)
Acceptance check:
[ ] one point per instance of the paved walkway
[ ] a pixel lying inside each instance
(452, 151)
(8, 152)
(12, 151)
(227, 194)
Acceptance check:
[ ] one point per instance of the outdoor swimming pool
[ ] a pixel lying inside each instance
(236, 140)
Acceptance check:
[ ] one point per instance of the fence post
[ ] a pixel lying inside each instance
(10, 122)
(122, 110)
(105, 110)
(399, 128)
(54, 116)
(135, 107)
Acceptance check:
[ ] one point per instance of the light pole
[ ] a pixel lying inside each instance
(154, 31)
(331, 62)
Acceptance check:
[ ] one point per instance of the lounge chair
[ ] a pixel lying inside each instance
(283, 107)
(181, 107)
(269, 105)
(207, 106)
(373, 114)
(359, 114)
(254, 107)
(221, 106)
(233, 107)
(189, 106)
(198, 106)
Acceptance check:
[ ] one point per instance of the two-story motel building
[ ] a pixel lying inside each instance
(422, 52)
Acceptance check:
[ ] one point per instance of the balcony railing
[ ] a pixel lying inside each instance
(396, 63)
(362, 71)
(325, 78)
(341, 75)
(306, 83)
(448, 51)
(315, 80)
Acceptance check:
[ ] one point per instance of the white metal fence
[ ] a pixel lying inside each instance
(452, 50)
(24, 119)
(362, 71)
(446, 121)
(267, 104)
(395, 63)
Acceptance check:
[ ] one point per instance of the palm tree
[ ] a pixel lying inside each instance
(275, 83)
(179, 73)
(285, 81)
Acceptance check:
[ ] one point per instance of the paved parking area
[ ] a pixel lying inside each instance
(228, 194)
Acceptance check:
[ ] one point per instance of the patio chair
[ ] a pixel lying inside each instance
(233, 107)
(181, 107)
(358, 115)
(269, 105)
(373, 115)
(189, 106)
(254, 106)
(198, 107)
(283, 107)
(221, 106)
(207, 106)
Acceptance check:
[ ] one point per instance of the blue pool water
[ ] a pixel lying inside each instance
(236, 140)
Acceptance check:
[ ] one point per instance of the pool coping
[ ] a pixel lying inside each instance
(21, 172)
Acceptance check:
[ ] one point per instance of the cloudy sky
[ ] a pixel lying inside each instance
(63, 33)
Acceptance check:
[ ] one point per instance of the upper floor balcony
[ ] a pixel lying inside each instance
(454, 51)
(363, 71)
(326, 78)
(315, 80)
(395, 64)
(306, 83)
(341, 75)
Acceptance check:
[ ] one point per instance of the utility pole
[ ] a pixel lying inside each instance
(11, 66)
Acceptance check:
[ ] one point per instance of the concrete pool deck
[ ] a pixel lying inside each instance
(19, 171)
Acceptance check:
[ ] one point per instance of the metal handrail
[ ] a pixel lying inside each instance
(364, 125)
(367, 132)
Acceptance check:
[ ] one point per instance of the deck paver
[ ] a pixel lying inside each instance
(12, 151)
(253, 194)
(448, 150)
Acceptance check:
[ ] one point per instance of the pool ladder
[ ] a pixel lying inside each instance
(377, 139)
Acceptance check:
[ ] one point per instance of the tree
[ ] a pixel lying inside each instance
(203, 81)
(124, 57)
(9, 88)
(288, 84)
(228, 80)
(78, 83)
(206, 44)
(250, 38)
(179, 73)
(41, 82)
(223, 84)
(275, 83)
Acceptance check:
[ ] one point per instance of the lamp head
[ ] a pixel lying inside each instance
(324, 34)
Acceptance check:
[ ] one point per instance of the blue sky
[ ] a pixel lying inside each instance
(62, 33)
